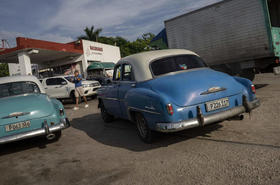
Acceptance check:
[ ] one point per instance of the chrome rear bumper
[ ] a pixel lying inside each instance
(205, 120)
(38, 132)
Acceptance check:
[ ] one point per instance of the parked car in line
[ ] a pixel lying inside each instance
(101, 71)
(61, 87)
(26, 111)
(173, 90)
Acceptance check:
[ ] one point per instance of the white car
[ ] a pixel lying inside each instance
(61, 87)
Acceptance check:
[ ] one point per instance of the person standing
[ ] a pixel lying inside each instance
(79, 90)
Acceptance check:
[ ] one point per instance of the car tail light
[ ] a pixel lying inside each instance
(61, 112)
(253, 89)
(169, 109)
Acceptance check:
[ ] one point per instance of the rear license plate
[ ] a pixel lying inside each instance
(17, 126)
(217, 104)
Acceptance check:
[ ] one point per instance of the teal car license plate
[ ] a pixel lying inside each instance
(17, 126)
(217, 104)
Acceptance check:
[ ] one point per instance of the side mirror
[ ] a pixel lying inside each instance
(63, 83)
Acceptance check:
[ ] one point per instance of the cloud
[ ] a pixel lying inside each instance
(127, 18)
(74, 15)
(55, 38)
(11, 37)
(64, 20)
(194, 5)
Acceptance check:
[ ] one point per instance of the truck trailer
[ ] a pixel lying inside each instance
(234, 36)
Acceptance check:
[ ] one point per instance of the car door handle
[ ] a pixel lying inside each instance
(133, 85)
(46, 88)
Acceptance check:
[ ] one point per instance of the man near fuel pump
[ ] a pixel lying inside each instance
(79, 90)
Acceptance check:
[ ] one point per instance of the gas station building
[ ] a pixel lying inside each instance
(40, 58)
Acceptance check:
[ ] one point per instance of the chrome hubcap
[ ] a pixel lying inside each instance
(141, 124)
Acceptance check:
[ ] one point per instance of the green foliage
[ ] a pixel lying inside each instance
(4, 70)
(129, 47)
(126, 47)
(91, 34)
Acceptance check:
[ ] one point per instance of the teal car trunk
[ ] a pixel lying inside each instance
(26, 111)
(33, 106)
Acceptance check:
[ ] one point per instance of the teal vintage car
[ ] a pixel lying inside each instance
(26, 111)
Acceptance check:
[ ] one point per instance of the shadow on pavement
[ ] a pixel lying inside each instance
(123, 134)
(68, 103)
(18, 146)
(259, 86)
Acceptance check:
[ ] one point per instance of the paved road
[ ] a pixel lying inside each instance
(91, 152)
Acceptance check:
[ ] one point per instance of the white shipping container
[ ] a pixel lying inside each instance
(226, 32)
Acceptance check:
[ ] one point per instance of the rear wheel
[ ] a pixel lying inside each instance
(107, 118)
(57, 135)
(144, 132)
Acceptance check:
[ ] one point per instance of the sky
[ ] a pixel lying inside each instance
(64, 20)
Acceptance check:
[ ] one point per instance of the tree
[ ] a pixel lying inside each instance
(91, 34)
(148, 37)
(4, 70)
(126, 47)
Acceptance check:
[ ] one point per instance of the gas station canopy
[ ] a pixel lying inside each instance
(60, 58)
(41, 51)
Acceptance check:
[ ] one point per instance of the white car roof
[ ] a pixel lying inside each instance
(65, 76)
(141, 62)
(61, 76)
(27, 78)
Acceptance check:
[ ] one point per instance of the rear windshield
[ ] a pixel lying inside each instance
(18, 88)
(176, 63)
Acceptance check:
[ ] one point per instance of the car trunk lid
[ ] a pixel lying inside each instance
(196, 86)
(24, 107)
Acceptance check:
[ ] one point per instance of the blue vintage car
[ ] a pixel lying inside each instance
(173, 90)
(26, 111)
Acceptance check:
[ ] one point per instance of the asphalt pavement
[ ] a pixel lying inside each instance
(93, 152)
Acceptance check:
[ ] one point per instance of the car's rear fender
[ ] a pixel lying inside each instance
(247, 90)
(148, 103)
(58, 107)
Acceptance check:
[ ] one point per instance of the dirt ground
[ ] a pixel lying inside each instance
(92, 152)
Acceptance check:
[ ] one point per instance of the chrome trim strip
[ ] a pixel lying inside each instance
(213, 90)
(143, 110)
(252, 105)
(150, 107)
(15, 114)
(64, 123)
(205, 120)
(174, 127)
(114, 99)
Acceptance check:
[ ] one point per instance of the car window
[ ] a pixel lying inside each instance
(117, 73)
(51, 81)
(18, 88)
(69, 78)
(55, 81)
(176, 63)
(127, 73)
(61, 81)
